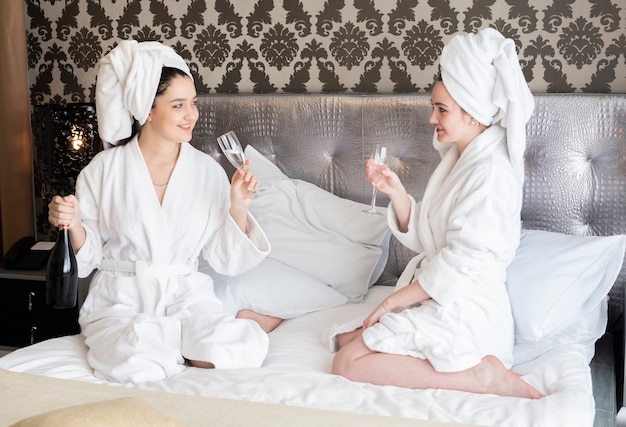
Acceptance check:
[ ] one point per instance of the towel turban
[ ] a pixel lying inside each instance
(126, 85)
(482, 74)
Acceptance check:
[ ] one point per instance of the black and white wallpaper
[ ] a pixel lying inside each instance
(313, 46)
(323, 46)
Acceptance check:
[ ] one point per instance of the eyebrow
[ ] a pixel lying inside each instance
(439, 104)
(182, 99)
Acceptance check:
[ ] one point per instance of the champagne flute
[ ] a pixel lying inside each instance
(377, 161)
(232, 149)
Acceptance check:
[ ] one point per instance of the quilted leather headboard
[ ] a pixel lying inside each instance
(575, 156)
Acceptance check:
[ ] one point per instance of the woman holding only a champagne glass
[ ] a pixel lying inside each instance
(448, 324)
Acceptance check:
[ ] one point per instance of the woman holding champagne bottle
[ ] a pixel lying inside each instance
(144, 211)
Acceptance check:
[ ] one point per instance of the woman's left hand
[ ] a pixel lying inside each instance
(375, 315)
(407, 296)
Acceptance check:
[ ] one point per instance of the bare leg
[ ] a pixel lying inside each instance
(268, 323)
(348, 337)
(358, 363)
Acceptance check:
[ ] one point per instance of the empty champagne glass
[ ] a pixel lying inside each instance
(376, 165)
(232, 149)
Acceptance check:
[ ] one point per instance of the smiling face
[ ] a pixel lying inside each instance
(452, 124)
(174, 113)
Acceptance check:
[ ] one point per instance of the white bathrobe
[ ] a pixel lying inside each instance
(148, 308)
(466, 230)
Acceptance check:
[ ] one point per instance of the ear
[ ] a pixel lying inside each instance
(468, 119)
(473, 121)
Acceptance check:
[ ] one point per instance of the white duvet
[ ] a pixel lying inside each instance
(296, 372)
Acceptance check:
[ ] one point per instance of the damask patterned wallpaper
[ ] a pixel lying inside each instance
(319, 46)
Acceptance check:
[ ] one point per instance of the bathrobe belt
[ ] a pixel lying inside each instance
(144, 271)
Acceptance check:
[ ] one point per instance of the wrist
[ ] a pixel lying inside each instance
(238, 212)
(399, 197)
(240, 217)
(387, 305)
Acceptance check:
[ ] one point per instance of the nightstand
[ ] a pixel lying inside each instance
(24, 317)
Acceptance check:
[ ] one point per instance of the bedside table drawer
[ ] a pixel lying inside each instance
(25, 318)
(51, 323)
(17, 330)
(22, 296)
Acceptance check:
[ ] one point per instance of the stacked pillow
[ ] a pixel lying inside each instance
(325, 252)
(558, 286)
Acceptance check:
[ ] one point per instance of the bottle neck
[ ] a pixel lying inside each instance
(64, 236)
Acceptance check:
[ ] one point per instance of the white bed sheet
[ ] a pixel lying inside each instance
(296, 373)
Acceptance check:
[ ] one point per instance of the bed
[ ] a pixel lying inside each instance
(310, 148)
(296, 374)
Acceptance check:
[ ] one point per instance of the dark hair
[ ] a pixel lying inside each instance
(167, 75)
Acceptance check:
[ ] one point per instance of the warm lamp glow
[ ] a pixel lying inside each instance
(77, 138)
(66, 139)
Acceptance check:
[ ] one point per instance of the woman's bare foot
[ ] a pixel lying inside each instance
(267, 323)
(494, 378)
(201, 364)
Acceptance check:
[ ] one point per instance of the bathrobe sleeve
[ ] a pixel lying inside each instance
(230, 251)
(227, 249)
(87, 190)
(481, 235)
(410, 238)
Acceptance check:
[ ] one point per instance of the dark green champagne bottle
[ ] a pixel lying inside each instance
(62, 273)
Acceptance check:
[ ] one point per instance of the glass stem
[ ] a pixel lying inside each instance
(373, 204)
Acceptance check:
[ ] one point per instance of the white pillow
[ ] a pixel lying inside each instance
(583, 334)
(275, 289)
(318, 233)
(557, 279)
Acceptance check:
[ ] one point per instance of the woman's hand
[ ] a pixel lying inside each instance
(64, 211)
(385, 180)
(375, 315)
(390, 184)
(243, 186)
(411, 294)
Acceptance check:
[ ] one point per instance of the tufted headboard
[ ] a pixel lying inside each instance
(575, 156)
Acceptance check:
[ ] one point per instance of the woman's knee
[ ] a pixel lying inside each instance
(343, 362)
(347, 361)
(338, 364)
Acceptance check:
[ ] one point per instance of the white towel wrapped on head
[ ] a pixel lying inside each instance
(482, 74)
(127, 81)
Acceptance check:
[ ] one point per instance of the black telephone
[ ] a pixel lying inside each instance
(22, 256)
